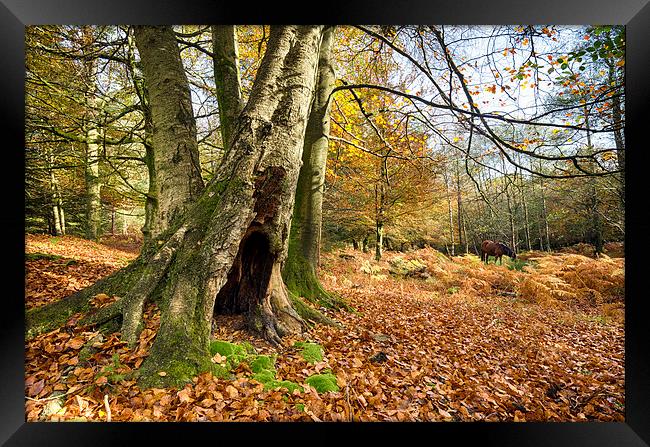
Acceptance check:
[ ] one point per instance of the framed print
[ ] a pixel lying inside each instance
(419, 217)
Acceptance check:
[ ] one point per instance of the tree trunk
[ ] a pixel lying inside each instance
(525, 206)
(379, 232)
(597, 228)
(225, 255)
(93, 185)
(618, 121)
(58, 216)
(451, 214)
(459, 206)
(380, 199)
(364, 244)
(149, 229)
(227, 79)
(175, 149)
(547, 232)
(300, 270)
(113, 221)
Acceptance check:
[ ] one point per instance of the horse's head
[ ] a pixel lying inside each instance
(508, 251)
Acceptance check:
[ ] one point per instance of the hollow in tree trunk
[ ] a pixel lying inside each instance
(225, 255)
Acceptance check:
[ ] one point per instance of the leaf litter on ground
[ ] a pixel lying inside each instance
(466, 342)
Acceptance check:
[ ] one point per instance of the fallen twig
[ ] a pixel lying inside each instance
(108, 408)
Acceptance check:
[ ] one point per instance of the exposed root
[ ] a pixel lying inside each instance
(46, 318)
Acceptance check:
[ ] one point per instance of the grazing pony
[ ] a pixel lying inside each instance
(496, 249)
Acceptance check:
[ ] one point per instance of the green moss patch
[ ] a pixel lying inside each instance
(323, 382)
(221, 372)
(38, 256)
(235, 353)
(262, 363)
(265, 376)
(311, 352)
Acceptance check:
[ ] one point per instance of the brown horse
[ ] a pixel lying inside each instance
(496, 249)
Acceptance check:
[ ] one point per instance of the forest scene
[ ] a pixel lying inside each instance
(324, 223)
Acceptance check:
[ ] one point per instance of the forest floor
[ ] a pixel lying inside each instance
(432, 338)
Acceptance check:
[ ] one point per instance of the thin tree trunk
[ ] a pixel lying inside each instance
(597, 230)
(465, 233)
(380, 197)
(525, 206)
(57, 205)
(93, 185)
(459, 206)
(150, 229)
(451, 213)
(227, 79)
(545, 216)
(617, 115)
(113, 221)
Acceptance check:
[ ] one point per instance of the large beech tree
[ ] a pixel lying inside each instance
(225, 253)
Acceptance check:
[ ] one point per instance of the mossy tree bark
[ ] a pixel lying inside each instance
(176, 167)
(139, 85)
(92, 135)
(300, 271)
(227, 79)
(234, 240)
(225, 255)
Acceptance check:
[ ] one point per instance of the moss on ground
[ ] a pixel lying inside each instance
(263, 366)
(323, 382)
(262, 363)
(311, 352)
(235, 353)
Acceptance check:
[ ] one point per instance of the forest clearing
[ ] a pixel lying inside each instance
(479, 343)
(325, 223)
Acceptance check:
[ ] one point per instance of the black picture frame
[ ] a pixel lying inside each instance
(15, 14)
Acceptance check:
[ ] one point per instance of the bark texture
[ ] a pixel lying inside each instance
(151, 201)
(175, 149)
(226, 253)
(227, 79)
(234, 239)
(300, 270)
(93, 185)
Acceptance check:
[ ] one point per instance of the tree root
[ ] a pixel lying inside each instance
(51, 316)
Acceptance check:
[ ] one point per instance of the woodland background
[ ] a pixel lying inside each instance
(415, 180)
